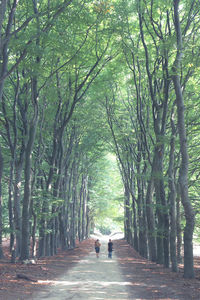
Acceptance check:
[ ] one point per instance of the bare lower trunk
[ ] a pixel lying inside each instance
(27, 194)
(10, 206)
(178, 227)
(84, 209)
(151, 222)
(172, 202)
(1, 223)
(17, 207)
(135, 234)
(127, 216)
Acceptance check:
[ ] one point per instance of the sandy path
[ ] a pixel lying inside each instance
(92, 278)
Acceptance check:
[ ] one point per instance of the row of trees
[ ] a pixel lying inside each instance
(159, 44)
(77, 80)
(51, 53)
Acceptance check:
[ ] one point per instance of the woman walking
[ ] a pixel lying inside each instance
(97, 247)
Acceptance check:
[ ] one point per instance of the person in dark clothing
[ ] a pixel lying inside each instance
(110, 248)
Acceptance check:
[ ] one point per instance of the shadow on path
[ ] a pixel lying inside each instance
(91, 278)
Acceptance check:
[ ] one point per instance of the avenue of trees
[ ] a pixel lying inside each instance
(83, 82)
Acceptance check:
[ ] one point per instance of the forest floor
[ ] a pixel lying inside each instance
(78, 274)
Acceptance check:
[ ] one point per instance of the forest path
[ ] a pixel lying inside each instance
(92, 278)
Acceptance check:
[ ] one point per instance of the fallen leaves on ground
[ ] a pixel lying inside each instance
(148, 280)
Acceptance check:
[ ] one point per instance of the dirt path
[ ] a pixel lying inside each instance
(78, 274)
(91, 278)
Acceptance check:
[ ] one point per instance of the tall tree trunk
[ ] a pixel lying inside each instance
(84, 209)
(172, 202)
(88, 220)
(73, 227)
(27, 191)
(135, 228)
(161, 209)
(1, 221)
(141, 206)
(151, 221)
(80, 209)
(62, 229)
(42, 227)
(10, 206)
(178, 225)
(183, 174)
(127, 215)
(17, 200)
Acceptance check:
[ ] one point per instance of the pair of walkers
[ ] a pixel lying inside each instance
(97, 246)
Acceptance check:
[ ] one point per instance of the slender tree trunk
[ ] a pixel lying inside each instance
(67, 207)
(80, 210)
(151, 221)
(73, 226)
(88, 220)
(178, 226)
(141, 207)
(161, 209)
(127, 215)
(17, 206)
(172, 202)
(135, 228)
(84, 209)
(1, 221)
(34, 228)
(27, 192)
(63, 237)
(144, 231)
(183, 174)
(10, 206)
(42, 227)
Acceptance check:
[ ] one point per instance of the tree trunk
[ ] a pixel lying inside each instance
(1, 221)
(73, 226)
(80, 210)
(135, 234)
(42, 227)
(172, 202)
(27, 192)
(10, 206)
(34, 228)
(127, 215)
(178, 226)
(88, 220)
(183, 173)
(141, 207)
(161, 209)
(151, 221)
(17, 200)
(84, 209)
(63, 237)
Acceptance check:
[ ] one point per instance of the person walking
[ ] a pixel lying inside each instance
(110, 248)
(97, 246)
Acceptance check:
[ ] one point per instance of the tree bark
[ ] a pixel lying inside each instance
(27, 192)
(85, 191)
(183, 173)
(1, 221)
(127, 215)
(151, 221)
(178, 226)
(172, 201)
